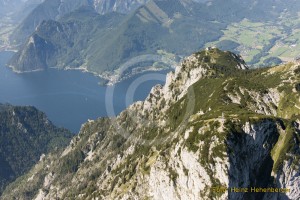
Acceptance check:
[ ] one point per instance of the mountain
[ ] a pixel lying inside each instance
(55, 9)
(170, 26)
(44, 11)
(12, 12)
(215, 126)
(25, 135)
(64, 44)
(152, 27)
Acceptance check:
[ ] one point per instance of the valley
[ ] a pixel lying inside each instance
(259, 42)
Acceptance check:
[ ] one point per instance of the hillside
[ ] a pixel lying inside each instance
(25, 135)
(56, 9)
(214, 124)
(151, 28)
(170, 26)
(11, 13)
(64, 44)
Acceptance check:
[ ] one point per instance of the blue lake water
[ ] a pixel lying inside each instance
(70, 98)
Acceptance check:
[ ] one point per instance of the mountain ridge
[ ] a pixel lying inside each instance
(214, 124)
(132, 39)
(56, 9)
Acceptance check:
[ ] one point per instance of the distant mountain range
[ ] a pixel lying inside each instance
(82, 38)
(25, 134)
(55, 9)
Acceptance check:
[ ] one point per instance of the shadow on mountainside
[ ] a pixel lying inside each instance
(251, 164)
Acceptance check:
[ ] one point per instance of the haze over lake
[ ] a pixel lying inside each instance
(70, 98)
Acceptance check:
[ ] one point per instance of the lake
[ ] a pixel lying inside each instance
(70, 98)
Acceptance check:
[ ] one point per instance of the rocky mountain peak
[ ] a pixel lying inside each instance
(208, 63)
(221, 61)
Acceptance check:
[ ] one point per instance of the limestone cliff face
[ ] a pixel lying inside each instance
(211, 127)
